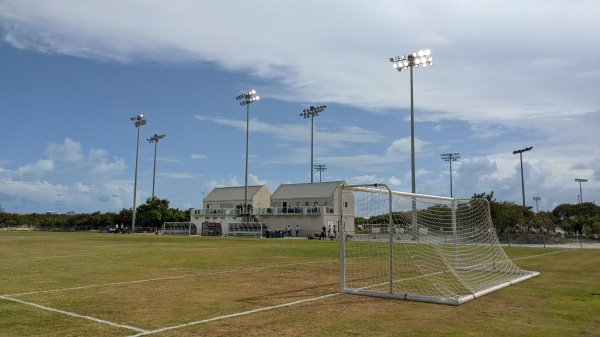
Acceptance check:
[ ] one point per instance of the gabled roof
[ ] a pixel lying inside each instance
(304, 191)
(232, 193)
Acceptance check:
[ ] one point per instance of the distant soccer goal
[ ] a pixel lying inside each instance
(422, 248)
(178, 228)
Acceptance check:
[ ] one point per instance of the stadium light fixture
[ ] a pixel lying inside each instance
(312, 112)
(421, 58)
(580, 191)
(536, 199)
(154, 139)
(320, 168)
(246, 99)
(450, 157)
(138, 121)
(520, 152)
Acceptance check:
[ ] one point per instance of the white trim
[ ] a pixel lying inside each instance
(97, 320)
(235, 315)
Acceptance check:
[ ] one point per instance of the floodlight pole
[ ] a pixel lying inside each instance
(320, 168)
(312, 112)
(421, 58)
(450, 157)
(246, 99)
(414, 60)
(154, 139)
(580, 191)
(520, 152)
(138, 121)
(536, 204)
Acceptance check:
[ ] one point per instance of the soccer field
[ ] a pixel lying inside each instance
(89, 284)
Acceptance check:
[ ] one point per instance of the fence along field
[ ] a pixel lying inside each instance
(58, 284)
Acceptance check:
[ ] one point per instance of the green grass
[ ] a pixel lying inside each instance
(152, 282)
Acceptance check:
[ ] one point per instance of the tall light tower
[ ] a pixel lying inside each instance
(138, 121)
(421, 58)
(312, 112)
(520, 152)
(580, 191)
(245, 99)
(320, 168)
(154, 139)
(536, 199)
(450, 157)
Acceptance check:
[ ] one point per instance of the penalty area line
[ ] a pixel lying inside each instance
(235, 315)
(166, 278)
(97, 320)
(538, 255)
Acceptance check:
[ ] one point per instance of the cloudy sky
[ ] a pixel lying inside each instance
(507, 75)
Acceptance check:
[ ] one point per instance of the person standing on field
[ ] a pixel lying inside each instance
(297, 230)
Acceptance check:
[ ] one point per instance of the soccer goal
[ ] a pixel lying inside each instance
(421, 248)
(178, 228)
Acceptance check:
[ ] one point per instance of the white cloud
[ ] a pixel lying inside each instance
(296, 133)
(254, 180)
(348, 65)
(35, 171)
(179, 175)
(69, 152)
(80, 187)
(107, 169)
(401, 147)
(27, 185)
(97, 155)
(211, 184)
(42, 196)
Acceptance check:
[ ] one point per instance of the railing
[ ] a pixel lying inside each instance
(291, 210)
(294, 210)
(215, 211)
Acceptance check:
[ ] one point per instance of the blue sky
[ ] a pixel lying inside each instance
(72, 73)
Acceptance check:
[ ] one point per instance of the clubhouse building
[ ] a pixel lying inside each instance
(307, 206)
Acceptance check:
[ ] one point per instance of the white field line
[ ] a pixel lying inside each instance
(76, 315)
(164, 278)
(235, 315)
(93, 255)
(557, 252)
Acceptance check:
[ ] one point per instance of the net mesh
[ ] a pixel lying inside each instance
(423, 248)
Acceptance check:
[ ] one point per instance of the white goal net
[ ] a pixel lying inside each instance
(178, 228)
(421, 248)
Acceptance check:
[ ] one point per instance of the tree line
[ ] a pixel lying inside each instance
(510, 218)
(150, 214)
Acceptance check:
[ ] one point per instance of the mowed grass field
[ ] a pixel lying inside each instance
(91, 284)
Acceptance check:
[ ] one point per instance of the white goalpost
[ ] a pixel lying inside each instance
(178, 228)
(420, 247)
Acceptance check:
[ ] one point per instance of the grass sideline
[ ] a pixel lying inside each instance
(80, 284)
